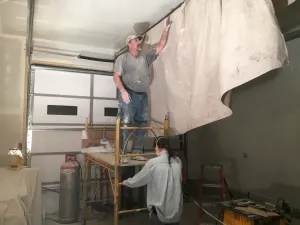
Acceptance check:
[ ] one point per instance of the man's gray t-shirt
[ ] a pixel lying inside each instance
(134, 70)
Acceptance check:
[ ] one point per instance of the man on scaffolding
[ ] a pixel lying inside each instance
(132, 80)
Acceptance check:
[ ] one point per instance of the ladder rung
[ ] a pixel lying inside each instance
(212, 185)
(212, 166)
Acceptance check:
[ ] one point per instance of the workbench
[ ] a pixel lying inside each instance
(248, 215)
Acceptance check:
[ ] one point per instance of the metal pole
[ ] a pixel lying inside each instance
(142, 128)
(96, 59)
(84, 184)
(30, 17)
(116, 180)
(166, 126)
(141, 154)
(122, 50)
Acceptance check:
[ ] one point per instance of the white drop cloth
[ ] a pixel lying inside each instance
(213, 47)
(20, 197)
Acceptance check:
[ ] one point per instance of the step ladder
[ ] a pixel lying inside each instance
(208, 184)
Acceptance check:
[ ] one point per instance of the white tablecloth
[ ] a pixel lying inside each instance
(20, 197)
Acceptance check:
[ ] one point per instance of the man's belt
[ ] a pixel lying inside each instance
(138, 93)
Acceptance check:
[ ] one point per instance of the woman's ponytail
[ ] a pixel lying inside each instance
(163, 142)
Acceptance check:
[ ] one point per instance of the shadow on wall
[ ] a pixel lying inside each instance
(259, 144)
(211, 152)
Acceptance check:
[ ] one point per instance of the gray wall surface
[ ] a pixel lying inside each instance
(266, 126)
(12, 73)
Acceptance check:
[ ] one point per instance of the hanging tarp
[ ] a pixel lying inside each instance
(213, 47)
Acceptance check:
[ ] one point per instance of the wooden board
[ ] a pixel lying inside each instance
(257, 211)
(109, 159)
(231, 218)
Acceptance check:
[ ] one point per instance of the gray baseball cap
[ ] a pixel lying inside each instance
(131, 37)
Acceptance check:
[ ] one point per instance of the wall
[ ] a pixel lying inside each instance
(1, 27)
(12, 70)
(265, 126)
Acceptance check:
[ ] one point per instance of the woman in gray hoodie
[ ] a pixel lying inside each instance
(163, 176)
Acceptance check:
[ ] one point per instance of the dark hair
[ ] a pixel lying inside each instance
(163, 142)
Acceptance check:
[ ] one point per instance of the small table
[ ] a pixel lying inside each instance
(248, 215)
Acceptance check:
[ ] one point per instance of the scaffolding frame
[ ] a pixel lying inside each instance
(115, 183)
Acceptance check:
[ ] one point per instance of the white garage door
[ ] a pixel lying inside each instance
(60, 102)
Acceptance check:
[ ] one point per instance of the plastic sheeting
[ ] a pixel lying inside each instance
(20, 197)
(213, 47)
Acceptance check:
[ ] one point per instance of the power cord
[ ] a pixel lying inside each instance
(220, 217)
(186, 194)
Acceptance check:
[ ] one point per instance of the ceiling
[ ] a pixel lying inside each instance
(99, 23)
(103, 23)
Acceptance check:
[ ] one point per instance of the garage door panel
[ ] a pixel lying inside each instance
(105, 111)
(62, 83)
(60, 110)
(61, 103)
(104, 87)
(56, 141)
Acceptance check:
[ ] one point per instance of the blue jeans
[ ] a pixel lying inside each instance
(133, 114)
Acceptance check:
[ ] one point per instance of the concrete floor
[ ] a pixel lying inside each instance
(190, 217)
(190, 214)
